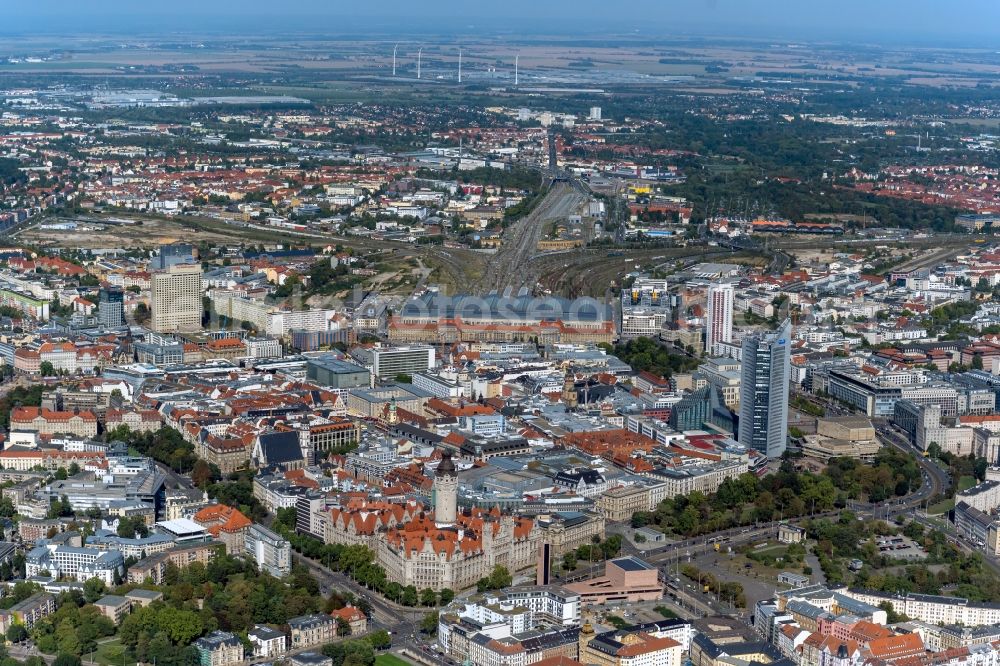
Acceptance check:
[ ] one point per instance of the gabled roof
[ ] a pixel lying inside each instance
(221, 518)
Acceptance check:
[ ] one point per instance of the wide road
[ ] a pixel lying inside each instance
(935, 480)
(385, 614)
(21, 652)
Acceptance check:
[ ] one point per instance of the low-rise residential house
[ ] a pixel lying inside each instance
(268, 643)
(310, 630)
(219, 648)
(355, 619)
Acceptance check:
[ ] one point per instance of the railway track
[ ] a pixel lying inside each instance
(508, 267)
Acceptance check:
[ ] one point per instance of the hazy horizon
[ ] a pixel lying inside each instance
(875, 21)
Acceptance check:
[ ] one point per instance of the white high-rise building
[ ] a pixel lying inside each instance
(595, 113)
(272, 553)
(176, 298)
(718, 316)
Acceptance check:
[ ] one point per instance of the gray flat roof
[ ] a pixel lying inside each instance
(631, 564)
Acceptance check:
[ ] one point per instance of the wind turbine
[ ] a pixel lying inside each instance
(394, 47)
(420, 52)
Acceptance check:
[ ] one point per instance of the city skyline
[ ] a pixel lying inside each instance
(554, 333)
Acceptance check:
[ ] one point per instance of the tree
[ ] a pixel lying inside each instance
(201, 473)
(64, 659)
(181, 626)
(429, 625)
(47, 369)
(428, 597)
(130, 527)
(447, 595)
(611, 546)
(343, 627)
(93, 589)
(16, 633)
(142, 313)
(351, 652)
(410, 597)
(60, 508)
(497, 580)
(66, 638)
(569, 561)
(380, 640)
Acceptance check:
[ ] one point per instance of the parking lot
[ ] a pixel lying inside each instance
(900, 547)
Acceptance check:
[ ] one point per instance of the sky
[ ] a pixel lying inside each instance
(889, 21)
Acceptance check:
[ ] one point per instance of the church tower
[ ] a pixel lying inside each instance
(445, 492)
(569, 395)
(393, 417)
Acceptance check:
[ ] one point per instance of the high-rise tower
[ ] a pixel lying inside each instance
(176, 297)
(764, 391)
(718, 316)
(111, 307)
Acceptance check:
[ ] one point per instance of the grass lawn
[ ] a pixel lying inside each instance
(775, 550)
(109, 652)
(965, 483)
(390, 660)
(941, 507)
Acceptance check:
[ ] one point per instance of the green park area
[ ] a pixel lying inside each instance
(390, 660)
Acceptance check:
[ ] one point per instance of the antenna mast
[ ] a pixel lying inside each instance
(420, 52)
(394, 47)
(460, 65)
(516, 58)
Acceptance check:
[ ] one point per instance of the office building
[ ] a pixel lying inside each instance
(172, 255)
(718, 317)
(976, 222)
(763, 424)
(176, 299)
(76, 563)
(389, 362)
(272, 553)
(328, 370)
(111, 308)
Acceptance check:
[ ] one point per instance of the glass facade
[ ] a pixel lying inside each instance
(763, 424)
